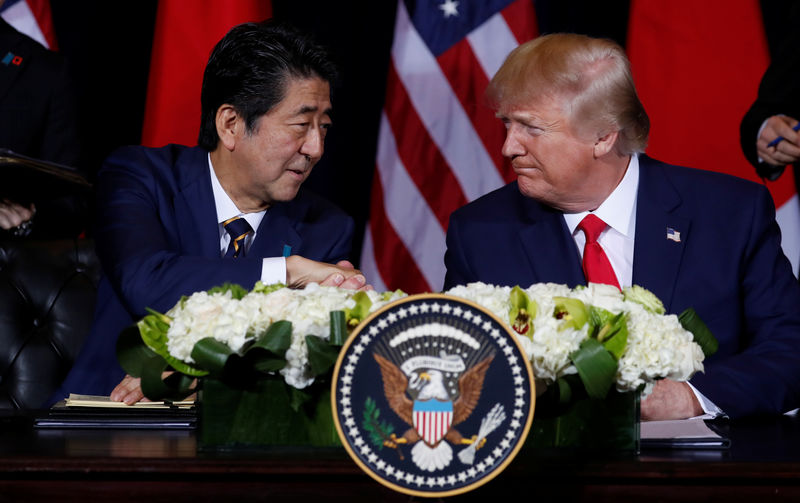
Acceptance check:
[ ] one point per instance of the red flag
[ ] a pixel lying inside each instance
(439, 144)
(185, 33)
(697, 66)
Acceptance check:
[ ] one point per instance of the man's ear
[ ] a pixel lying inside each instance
(605, 144)
(230, 126)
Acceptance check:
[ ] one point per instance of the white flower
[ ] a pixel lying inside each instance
(657, 347)
(207, 315)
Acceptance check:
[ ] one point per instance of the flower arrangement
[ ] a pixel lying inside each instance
(604, 336)
(231, 333)
(281, 344)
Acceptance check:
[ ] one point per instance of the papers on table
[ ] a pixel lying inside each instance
(681, 434)
(99, 412)
(103, 401)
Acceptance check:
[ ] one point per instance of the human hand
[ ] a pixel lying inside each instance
(13, 214)
(300, 271)
(670, 400)
(129, 390)
(351, 283)
(787, 151)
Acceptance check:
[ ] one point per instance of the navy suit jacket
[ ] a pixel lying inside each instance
(158, 239)
(728, 265)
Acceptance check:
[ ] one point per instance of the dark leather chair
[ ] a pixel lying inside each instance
(47, 296)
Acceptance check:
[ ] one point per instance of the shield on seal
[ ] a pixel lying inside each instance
(432, 419)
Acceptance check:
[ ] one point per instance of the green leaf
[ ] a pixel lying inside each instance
(613, 334)
(596, 367)
(132, 352)
(268, 365)
(211, 354)
(237, 291)
(156, 386)
(597, 318)
(297, 397)
(572, 312)
(321, 355)
(645, 297)
(338, 328)
(359, 311)
(276, 339)
(154, 333)
(692, 322)
(161, 321)
(265, 289)
(268, 353)
(379, 430)
(152, 383)
(610, 329)
(564, 391)
(388, 295)
(522, 312)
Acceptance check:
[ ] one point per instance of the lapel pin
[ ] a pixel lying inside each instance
(673, 235)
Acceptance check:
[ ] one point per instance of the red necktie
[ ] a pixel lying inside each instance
(596, 266)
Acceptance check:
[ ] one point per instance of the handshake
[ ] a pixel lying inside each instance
(301, 271)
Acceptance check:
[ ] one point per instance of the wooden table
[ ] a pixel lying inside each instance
(763, 464)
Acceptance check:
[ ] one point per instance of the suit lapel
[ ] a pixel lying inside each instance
(549, 247)
(276, 234)
(10, 44)
(195, 210)
(657, 258)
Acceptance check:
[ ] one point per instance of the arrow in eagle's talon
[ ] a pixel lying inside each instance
(472, 440)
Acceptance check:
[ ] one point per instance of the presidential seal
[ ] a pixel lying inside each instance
(432, 395)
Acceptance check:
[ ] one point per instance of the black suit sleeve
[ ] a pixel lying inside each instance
(778, 93)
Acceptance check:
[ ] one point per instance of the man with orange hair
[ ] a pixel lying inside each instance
(588, 205)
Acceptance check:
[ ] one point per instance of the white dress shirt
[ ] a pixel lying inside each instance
(273, 269)
(617, 240)
(619, 212)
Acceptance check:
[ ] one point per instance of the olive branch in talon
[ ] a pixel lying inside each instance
(381, 433)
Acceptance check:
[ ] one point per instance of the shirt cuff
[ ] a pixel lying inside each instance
(273, 270)
(711, 411)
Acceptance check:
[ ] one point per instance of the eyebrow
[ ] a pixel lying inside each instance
(310, 109)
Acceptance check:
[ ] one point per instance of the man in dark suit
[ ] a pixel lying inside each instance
(777, 107)
(38, 118)
(575, 133)
(163, 213)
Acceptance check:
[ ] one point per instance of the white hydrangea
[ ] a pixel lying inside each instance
(658, 346)
(208, 315)
(234, 322)
(494, 298)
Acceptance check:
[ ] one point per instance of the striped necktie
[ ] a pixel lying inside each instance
(596, 266)
(238, 228)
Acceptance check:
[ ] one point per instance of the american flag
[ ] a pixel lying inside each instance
(33, 18)
(439, 144)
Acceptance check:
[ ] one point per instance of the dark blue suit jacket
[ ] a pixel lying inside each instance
(158, 239)
(728, 265)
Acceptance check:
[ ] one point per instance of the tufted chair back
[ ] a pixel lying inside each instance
(47, 295)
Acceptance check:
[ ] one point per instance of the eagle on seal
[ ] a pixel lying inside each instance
(432, 415)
